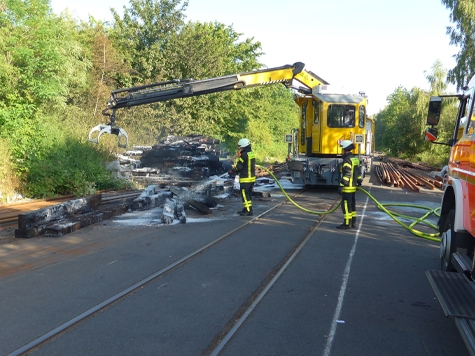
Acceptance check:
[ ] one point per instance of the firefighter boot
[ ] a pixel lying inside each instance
(353, 223)
(343, 226)
(244, 212)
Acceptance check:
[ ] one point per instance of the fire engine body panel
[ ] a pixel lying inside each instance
(326, 120)
(454, 284)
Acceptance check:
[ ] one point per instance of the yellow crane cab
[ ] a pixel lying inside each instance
(326, 120)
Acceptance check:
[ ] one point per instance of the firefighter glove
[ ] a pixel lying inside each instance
(340, 190)
(358, 182)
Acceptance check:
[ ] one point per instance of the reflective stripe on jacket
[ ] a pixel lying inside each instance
(245, 166)
(350, 173)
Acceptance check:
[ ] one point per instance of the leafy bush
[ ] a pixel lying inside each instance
(72, 167)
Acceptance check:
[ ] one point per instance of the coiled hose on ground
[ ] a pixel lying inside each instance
(383, 207)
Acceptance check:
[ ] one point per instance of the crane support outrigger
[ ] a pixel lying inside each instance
(292, 76)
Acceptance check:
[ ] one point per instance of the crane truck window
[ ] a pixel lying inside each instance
(303, 124)
(316, 111)
(341, 116)
(361, 116)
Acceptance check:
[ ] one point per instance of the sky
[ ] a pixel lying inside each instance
(371, 46)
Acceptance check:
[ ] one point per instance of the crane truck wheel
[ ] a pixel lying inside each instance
(448, 242)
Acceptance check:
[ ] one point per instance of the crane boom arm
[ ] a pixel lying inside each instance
(183, 88)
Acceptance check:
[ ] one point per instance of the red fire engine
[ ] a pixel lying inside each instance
(454, 284)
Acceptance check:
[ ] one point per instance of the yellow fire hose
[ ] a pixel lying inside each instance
(394, 215)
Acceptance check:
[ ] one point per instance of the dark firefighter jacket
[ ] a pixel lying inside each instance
(350, 173)
(245, 166)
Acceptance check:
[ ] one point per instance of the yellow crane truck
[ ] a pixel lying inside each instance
(326, 119)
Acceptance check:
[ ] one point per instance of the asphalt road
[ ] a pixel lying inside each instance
(354, 292)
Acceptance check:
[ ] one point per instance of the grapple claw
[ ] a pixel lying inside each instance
(110, 129)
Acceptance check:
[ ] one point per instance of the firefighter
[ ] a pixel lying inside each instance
(245, 167)
(350, 178)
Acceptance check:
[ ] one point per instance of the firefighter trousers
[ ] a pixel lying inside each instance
(246, 195)
(348, 206)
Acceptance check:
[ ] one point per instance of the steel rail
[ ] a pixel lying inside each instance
(128, 291)
(262, 293)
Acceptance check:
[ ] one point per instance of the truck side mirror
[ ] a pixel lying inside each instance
(431, 134)
(435, 105)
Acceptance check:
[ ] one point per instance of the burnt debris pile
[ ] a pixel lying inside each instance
(191, 156)
(176, 160)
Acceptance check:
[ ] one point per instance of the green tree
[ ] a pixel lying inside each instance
(37, 75)
(204, 50)
(106, 65)
(142, 34)
(437, 78)
(197, 51)
(45, 79)
(201, 51)
(404, 122)
(462, 34)
(401, 124)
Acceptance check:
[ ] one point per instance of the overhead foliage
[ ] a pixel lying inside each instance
(437, 78)
(40, 65)
(400, 126)
(142, 34)
(204, 50)
(56, 74)
(404, 122)
(196, 51)
(44, 74)
(462, 34)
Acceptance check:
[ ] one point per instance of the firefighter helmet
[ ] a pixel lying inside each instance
(243, 142)
(347, 145)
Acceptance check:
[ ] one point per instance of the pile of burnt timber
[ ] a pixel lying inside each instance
(72, 215)
(180, 161)
(404, 174)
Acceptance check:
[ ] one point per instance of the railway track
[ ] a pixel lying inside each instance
(280, 283)
(248, 227)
